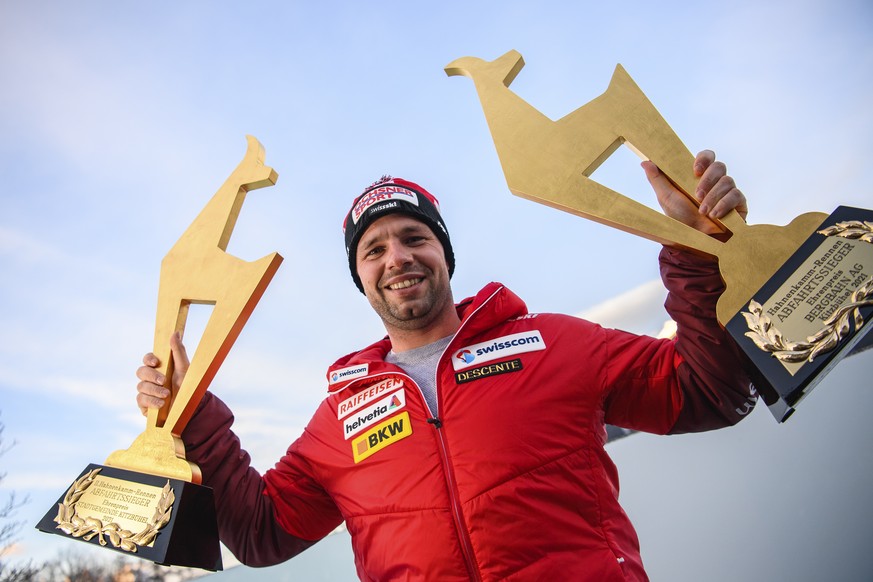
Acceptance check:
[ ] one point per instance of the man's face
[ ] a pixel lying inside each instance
(402, 266)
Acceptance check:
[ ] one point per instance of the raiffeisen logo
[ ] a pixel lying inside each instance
(508, 345)
(381, 194)
(366, 396)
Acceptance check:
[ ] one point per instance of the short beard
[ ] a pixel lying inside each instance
(428, 309)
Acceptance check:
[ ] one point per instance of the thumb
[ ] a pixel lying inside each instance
(663, 188)
(180, 355)
(659, 182)
(673, 202)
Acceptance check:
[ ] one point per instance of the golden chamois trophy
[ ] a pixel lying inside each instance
(796, 296)
(147, 500)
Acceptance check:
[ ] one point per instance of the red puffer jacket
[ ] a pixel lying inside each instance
(511, 480)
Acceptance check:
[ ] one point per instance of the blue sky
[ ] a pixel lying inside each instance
(120, 120)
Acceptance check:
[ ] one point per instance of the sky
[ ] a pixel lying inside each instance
(120, 120)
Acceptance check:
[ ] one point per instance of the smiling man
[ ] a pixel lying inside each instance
(468, 443)
(400, 263)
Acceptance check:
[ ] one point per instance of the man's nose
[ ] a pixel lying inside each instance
(398, 255)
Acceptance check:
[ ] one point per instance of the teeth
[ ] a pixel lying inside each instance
(404, 284)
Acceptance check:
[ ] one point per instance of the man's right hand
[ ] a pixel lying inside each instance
(151, 392)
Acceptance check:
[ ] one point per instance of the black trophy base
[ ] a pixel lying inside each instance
(186, 536)
(806, 287)
(782, 395)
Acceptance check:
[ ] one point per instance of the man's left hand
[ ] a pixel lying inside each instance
(717, 194)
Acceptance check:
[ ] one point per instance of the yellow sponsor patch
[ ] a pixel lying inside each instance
(381, 435)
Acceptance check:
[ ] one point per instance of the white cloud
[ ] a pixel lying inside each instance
(638, 310)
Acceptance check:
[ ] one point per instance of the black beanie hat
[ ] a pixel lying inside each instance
(388, 196)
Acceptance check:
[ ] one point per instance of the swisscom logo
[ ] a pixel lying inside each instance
(508, 345)
(349, 373)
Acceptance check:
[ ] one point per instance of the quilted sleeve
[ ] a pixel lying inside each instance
(247, 520)
(716, 390)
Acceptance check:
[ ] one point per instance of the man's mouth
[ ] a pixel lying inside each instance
(404, 284)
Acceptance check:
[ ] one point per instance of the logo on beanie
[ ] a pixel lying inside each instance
(382, 194)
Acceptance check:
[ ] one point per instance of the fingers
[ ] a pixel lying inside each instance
(716, 191)
(151, 360)
(150, 396)
(702, 161)
(150, 389)
(722, 198)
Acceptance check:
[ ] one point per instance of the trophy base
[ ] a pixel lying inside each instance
(783, 398)
(812, 313)
(167, 521)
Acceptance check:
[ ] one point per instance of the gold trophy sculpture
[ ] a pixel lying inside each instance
(796, 296)
(147, 500)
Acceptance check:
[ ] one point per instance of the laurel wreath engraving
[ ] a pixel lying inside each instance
(769, 339)
(854, 229)
(87, 528)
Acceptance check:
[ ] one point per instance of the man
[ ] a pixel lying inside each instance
(468, 444)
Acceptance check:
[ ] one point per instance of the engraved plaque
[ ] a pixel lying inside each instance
(167, 521)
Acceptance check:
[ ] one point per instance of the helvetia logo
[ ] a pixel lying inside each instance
(372, 414)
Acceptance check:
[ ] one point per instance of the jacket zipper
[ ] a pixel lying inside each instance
(466, 544)
(464, 538)
(463, 534)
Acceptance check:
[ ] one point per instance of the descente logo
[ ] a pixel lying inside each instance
(508, 345)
